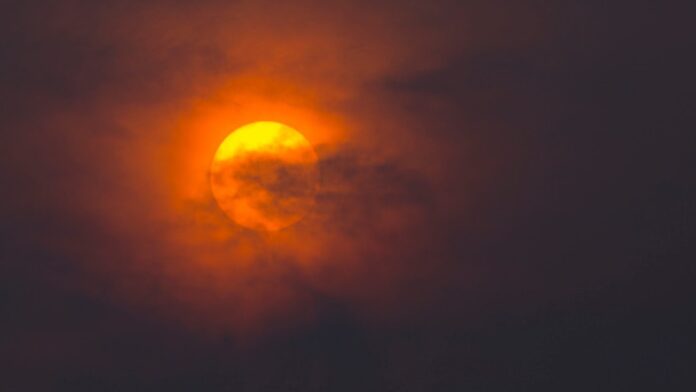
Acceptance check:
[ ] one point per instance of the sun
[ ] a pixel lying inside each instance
(264, 176)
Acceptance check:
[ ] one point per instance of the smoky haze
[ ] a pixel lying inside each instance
(505, 196)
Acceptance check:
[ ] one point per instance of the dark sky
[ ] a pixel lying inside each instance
(506, 198)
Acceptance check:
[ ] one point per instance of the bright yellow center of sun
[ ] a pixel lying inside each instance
(264, 176)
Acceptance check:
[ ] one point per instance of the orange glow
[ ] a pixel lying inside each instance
(264, 176)
(199, 131)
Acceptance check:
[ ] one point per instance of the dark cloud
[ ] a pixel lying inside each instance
(506, 204)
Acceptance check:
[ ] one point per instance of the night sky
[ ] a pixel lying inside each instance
(506, 198)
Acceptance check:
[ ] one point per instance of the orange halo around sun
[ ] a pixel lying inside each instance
(264, 176)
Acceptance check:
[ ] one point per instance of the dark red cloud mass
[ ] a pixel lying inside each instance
(505, 199)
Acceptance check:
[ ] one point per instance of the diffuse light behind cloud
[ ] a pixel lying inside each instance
(176, 80)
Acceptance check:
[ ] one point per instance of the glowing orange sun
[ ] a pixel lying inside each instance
(264, 176)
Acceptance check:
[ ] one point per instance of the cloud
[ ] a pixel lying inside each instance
(479, 163)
